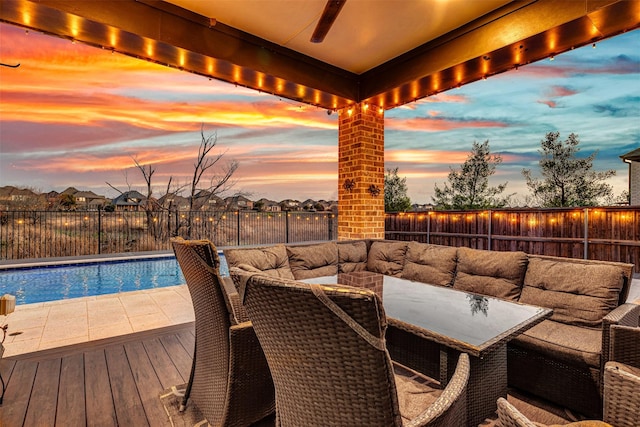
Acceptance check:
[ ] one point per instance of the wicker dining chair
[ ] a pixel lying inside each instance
(509, 416)
(326, 350)
(622, 378)
(230, 382)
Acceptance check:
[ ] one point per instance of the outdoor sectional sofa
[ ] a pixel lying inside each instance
(560, 359)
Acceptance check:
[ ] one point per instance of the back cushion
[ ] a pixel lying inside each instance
(352, 256)
(494, 273)
(313, 260)
(432, 264)
(579, 293)
(272, 260)
(387, 257)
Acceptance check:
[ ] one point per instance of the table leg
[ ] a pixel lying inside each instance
(487, 382)
(444, 367)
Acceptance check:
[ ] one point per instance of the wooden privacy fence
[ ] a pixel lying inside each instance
(604, 233)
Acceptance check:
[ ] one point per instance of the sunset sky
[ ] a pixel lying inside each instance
(74, 115)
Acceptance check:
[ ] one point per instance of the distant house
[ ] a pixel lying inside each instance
(290, 205)
(20, 198)
(86, 200)
(174, 202)
(633, 159)
(130, 201)
(205, 200)
(238, 203)
(421, 207)
(266, 205)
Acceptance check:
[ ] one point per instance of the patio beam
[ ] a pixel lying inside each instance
(517, 34)
(160, 32)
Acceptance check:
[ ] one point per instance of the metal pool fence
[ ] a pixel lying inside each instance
(43, 234)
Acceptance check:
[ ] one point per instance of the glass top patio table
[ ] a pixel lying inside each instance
(464, 321)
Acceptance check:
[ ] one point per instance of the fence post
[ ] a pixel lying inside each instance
(489, 231)
(99, 230)
(586, 233)
(429, 227)
(286, 227)
(238, 224)
(330, 228)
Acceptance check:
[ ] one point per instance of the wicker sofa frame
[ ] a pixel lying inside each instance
(560, 359)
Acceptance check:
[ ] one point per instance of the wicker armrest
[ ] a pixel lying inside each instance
(621, 397)
(239, 313)
(451, 406)
(626, 315)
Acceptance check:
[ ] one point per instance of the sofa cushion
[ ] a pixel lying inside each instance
(494, 273)
(574, 345)
(271, 260)
(580, 293)
(387, 257)
(432, 264)
(352, 256)
(313, 260)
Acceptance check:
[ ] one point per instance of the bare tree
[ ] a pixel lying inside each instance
(219, 181)
(207, 168)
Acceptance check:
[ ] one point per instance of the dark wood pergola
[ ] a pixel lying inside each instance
(516, 34)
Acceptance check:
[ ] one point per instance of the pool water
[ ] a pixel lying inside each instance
(57, 282)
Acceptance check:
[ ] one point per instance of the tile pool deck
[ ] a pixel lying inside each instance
(46, 325)
(54, 324)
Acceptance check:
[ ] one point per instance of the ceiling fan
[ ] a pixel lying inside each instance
(329, 15)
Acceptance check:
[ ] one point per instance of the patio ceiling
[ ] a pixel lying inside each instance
(383, 52)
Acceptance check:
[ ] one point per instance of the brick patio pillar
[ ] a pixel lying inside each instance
(361, 173)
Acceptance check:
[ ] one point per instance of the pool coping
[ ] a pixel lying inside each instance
(57, 261)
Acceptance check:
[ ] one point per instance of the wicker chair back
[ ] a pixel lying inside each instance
(230, 381)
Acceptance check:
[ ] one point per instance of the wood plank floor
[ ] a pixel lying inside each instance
(104, 383)
(117, 382)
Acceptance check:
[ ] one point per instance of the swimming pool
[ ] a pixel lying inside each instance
(57, 282)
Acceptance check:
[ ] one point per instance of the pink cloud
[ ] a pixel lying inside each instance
(548, 102)
(447, 97)
(560, 91)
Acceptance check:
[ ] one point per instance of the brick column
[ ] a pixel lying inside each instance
(361, 173)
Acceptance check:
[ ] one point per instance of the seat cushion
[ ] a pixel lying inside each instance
(352, 256)
(416, 392)
(432, 264)
(387, 257)
(494, 273)
(313, 260)
(271, 260)
(574, 345)
(579, 292)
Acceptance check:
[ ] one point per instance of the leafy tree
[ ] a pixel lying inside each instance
(395, 192)
(567, 180)
(468, 187)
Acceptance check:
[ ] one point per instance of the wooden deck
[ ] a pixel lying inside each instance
(109, 382)
(117, 382)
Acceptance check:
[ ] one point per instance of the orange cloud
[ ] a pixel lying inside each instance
(436, 124)
(425, 156)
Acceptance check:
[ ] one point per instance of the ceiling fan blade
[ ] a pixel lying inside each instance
(329, 15)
